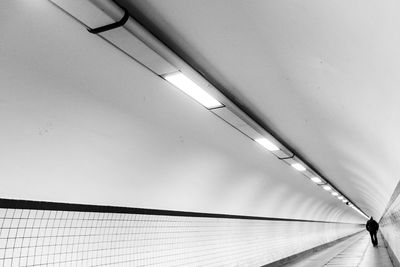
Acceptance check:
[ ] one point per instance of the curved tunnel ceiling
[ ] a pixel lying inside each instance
(322, 75)
(84, 123)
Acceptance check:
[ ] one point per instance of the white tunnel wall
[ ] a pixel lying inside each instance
(321, 74)
(31, 237)
(390, 226)
(83, 123)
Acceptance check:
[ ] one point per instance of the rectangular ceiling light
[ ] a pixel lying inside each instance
(327, 187)
(334, 193)
(316, 180)
(298, 167)
(179, 80)
(340, 197)
(267, 144)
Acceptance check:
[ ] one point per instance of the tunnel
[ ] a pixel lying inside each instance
(199, 133)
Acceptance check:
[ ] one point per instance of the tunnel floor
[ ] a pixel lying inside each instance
(355, 251)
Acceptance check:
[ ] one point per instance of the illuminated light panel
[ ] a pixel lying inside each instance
(327, 187)
(344, 200)
(316, 179)
(298, 167)
(267, 144)
(340, 197)
(192, 89)
(334, 194)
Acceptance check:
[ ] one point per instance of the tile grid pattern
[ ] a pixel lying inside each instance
(390, 224)
(30, 237)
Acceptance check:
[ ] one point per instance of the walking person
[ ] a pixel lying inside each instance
(372, 227)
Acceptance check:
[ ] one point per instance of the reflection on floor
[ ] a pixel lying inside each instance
(355, 251)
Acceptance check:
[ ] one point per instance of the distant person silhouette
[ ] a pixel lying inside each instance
(372, 227)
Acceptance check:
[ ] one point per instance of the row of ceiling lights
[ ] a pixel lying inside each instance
(145, 48)
(183, 83)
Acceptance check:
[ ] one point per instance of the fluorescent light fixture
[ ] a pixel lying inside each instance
(334, 193)
(267, 144)
(189, 87)
(316, 179)
(341, 197)
(327, 187)
(298, 167)
(344, 200)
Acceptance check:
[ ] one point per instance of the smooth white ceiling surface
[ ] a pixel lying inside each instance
(83, 123)
(324, 75)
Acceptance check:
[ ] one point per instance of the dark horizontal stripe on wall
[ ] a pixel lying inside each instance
(44, 205)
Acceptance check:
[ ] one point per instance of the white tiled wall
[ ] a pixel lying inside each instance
(66, 238)
(390, 227)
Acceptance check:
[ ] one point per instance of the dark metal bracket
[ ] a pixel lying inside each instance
(292, 156)
(218, 107)
(111, 26)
